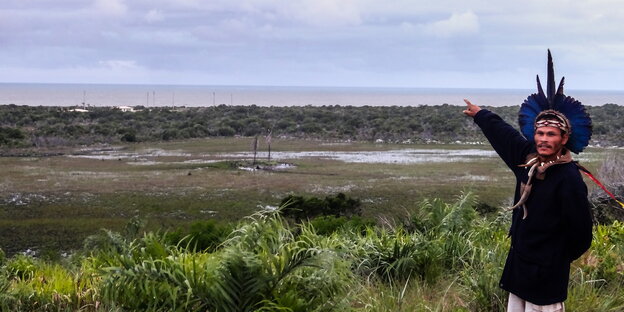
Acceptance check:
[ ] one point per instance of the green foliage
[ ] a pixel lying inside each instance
(36, 285)
(262, 265)
(21, 266)
(599, 271)
(47, 125)
(439, 217)
(326, 225)
(129, 136)
(444, 258)
(201, 235)
(482, 267)
(11, 137)
(399, 255)
(305, 208)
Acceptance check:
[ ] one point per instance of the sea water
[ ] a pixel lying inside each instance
(185, 95)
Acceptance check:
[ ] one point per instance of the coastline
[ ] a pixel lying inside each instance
(108, 95)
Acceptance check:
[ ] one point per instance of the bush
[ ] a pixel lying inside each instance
(419, 123)
(129, 137)
(326, 225)
(450, 261)
(261, 267)
(306, 208)
(225, 131)
(11, 136)
(201, 235)
(22, 267)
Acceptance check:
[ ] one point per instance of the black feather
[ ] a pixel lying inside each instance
(540, 93)
(560, 89)
(550, 86)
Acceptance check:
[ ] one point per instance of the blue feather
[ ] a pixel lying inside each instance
(579, 120)
(529, 110)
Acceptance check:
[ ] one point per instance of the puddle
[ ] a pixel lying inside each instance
(475, 178)
(405, 156)
(198, 161)
(334, 189)
(144, 162)
(283, 167)
(120, 155)
(277, 167)
(400, 156)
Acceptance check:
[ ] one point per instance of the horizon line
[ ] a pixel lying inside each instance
(281, 86)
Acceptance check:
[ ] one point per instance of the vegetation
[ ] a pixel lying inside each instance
(53, 203)
(389, 251)
(305, 208)
(611, 174)
(25, 126)
(443, 257)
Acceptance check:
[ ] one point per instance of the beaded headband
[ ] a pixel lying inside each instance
(551, 118)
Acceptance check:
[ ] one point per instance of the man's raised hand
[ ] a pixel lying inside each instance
(471, 109)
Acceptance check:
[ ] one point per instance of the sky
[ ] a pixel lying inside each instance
(345, 43)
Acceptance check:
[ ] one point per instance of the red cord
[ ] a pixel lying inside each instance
(591, 176)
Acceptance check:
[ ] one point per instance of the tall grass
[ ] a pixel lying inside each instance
(440, 257)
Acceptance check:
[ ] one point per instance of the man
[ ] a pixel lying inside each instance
(551, 222)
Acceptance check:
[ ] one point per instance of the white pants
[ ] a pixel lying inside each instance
(516, 304)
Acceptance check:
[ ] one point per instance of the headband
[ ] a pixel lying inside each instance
(551, 118)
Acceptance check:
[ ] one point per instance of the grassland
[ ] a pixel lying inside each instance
(54, 202)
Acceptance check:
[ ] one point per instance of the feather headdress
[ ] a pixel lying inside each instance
(573, 110)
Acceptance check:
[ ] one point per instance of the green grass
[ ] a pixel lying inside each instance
(68, 195)
(443, 257)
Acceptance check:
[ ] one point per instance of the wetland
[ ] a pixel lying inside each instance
(55, 202)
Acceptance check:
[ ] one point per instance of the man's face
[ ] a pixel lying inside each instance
(549, 141)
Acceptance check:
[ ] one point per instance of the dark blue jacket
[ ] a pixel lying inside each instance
(558, 228)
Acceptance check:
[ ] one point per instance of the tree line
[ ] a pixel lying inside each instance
(45, 126)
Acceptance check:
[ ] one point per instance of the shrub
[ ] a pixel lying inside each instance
(129, 137)
(11, 136)
(263, 266)
(200, 235)
(326, 225)
(225, 131)
(21, 266)
(302, 208)
(450, 260)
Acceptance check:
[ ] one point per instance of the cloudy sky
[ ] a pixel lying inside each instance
(381, 43)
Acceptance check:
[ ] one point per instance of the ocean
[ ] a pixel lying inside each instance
(193, 96)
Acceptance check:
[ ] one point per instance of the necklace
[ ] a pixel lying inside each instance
(549, 162)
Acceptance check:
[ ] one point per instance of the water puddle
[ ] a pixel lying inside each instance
(115, 154)
(154, 156)
(404, 156)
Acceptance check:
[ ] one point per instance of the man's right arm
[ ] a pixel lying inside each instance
(510, 145)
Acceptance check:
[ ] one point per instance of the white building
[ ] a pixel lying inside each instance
(125, 109)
